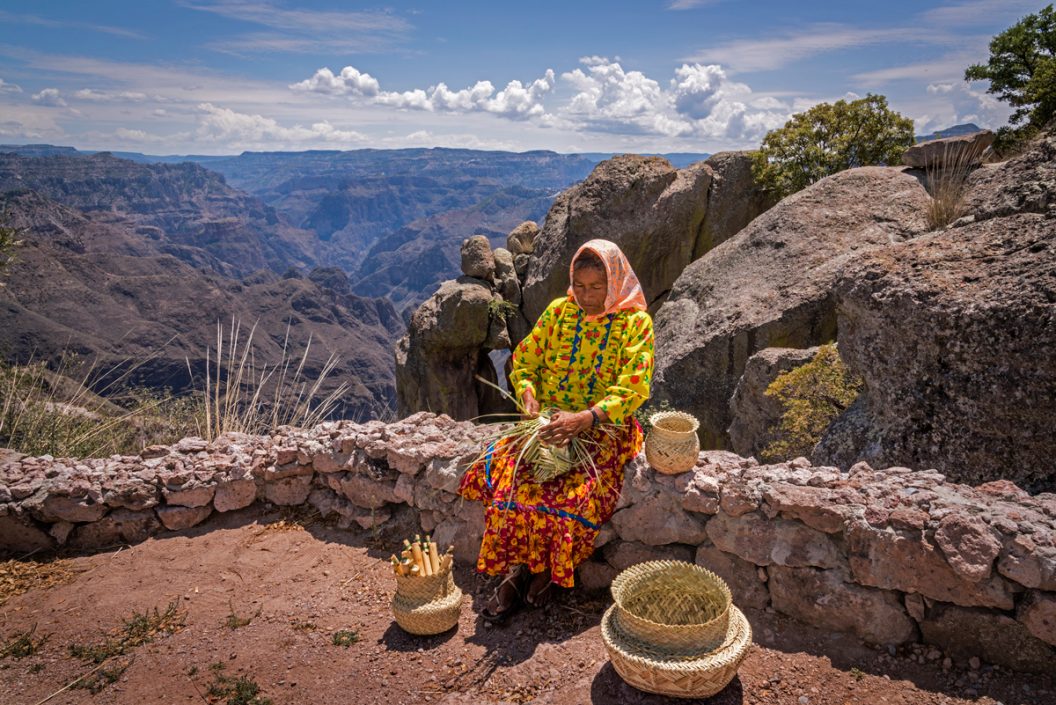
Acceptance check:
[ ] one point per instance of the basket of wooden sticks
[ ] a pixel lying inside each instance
(427, 601)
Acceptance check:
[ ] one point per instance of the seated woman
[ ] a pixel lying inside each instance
(590, 356)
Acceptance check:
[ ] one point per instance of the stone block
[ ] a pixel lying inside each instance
(964, 632)
(289, 491)
(179, 518)
(234, 494)
(740, 575)
(774, 542)
(822, 598)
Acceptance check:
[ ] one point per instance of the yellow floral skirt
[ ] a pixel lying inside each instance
(547, 525)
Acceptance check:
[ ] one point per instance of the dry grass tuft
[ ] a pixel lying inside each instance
(19, 576)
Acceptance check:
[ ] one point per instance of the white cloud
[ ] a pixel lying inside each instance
(97, 96)
(50, 97)
(979, 11)
(226, 125)
(349, 82)
(132, 135)
(12, 18)
(613, 100)
(767, 53)
(939, 88)
(689, 4)
(306, 31)
(9, 87)
(948, 68)
(516, 101)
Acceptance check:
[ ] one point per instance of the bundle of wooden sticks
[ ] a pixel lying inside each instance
(421, 558)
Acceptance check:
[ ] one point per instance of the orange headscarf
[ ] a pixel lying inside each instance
(624, 291)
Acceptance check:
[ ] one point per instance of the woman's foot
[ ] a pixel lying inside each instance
(506, 600)
(539, 589)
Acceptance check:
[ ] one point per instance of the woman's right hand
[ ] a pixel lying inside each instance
(531, 406)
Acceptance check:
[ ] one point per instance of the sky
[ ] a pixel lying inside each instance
(226, 76)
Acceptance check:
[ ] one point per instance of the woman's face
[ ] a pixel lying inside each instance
(590, 286)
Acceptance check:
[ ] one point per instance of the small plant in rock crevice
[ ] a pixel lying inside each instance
(812, 395)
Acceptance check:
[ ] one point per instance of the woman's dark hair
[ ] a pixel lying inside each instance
(588, 260)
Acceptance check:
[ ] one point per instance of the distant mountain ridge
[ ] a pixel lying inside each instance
(955, 131)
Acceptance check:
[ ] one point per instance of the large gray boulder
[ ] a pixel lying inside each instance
(446, 346)
(958, 152)
(954, 335)
(661, 217)
(771, 286)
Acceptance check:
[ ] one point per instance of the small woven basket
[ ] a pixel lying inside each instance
(672, 446)
(647, 668)
(681, 609)
(428, 604)
(428, 618)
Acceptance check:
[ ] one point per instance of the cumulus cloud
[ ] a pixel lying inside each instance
(516, 101)
(937, 88)
(50, 97)
(226, 125)
(700, 101)
(349, 82)
(9, 87)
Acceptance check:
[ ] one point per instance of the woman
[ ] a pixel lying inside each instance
(590, 355)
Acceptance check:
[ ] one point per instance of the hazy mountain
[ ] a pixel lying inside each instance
(965, 129)
(188, 210)
(100, 289)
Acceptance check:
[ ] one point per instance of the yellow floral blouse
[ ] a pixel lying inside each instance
(572, 364)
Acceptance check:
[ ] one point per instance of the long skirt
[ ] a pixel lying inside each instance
(547, 525)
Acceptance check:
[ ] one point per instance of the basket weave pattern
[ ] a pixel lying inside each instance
(702, 677)
(680, 608)
(672, 446)
(428, 604)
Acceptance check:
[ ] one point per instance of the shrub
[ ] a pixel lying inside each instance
(812, 395)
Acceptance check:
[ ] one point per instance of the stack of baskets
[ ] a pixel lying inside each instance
(427, 604)
(674, 630)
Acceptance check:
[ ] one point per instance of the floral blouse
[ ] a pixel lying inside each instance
(571, 363)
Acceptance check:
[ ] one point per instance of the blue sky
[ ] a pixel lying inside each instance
(223, 76)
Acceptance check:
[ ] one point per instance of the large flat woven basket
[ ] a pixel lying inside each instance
(427, 604)
(681, 609)
(643, 667)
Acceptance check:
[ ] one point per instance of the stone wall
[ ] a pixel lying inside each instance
(894, 556)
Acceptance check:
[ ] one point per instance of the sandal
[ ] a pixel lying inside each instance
(539, 592)
(507, 599)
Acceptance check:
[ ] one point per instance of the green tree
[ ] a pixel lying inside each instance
(828, 138)
(1022, 71)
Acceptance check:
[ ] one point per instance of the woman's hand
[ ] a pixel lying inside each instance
(564, 426)
(531, 406)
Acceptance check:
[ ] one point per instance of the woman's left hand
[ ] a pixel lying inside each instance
(564, 426)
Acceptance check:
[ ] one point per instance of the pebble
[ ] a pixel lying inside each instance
(974, 662)
(804, 700)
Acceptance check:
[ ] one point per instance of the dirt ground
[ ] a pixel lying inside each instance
(261, 596)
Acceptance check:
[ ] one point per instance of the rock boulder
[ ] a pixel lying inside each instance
(771, 285)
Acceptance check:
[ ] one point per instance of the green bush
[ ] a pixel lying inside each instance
(812, 395)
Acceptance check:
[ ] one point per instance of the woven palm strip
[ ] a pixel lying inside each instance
(645, 668)
(670, 448)
(681, 608)
(424, 588)
(429, 618)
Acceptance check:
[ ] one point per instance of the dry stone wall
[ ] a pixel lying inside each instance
(894, 556)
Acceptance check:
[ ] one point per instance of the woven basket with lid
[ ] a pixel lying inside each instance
(672, 446)
(680, 608)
